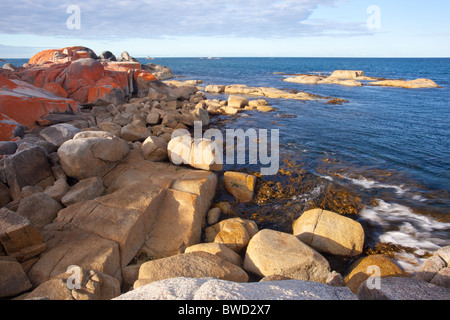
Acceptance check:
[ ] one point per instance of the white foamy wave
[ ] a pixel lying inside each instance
(371, 184)
(401, 226)
(326, 177)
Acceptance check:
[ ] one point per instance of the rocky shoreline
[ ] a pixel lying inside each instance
(94, 208)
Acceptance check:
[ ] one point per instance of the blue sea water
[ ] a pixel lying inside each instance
(392, 145)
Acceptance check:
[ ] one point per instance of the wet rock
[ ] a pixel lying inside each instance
(272, 252)
(237, 101)
(411, 84)
(215, 88)
(240, 185)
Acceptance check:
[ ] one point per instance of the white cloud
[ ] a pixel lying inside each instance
(155, 19)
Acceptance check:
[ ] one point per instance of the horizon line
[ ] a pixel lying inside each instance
(267, 57)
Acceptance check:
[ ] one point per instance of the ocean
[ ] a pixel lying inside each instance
(383, 158)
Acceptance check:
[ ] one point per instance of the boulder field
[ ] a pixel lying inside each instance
(95, 206)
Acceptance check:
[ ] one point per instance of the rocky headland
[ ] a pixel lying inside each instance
(94, 208)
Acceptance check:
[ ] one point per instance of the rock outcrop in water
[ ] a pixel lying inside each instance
(354, 78)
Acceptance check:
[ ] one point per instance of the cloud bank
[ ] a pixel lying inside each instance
(157, 19)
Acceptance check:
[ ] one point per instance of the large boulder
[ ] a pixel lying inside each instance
(217, 249)
(194, 265)
(9, 129)
(402, 288)
(29, 105)
(18, 237)
(40, 208)
(28, 167)
(86, 189)
(202, 154)
(329, 232)
(59, 133)
(13, 279)
(155, 149)
(91, 153)
(91, 252)
(235, 233)
(183, 288)
(237, 101)
(78, 284)
(378, 265)
(436, 269)
(272, 252)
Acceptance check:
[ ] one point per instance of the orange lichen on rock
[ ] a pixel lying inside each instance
(28, 104)
(9, 128)
(62, 55)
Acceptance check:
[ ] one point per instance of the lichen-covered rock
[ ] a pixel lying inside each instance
(28, 105)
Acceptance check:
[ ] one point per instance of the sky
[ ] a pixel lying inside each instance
(229, 28)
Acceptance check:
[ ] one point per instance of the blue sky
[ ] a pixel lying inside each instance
(230, 28)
